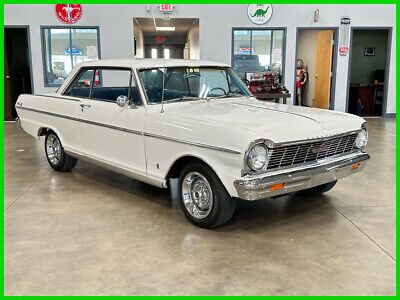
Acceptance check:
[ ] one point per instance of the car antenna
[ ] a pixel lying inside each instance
(163, 84)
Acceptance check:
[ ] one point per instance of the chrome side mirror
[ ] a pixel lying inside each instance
(122, 100)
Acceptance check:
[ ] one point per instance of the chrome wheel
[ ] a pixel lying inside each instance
(197, 195)
(53, 149)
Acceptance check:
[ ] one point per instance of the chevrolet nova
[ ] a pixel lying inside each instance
(155, 120)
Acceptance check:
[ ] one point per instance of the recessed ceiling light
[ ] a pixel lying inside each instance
(165, 28)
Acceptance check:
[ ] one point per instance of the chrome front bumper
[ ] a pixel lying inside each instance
(18, 121)
(252, 187)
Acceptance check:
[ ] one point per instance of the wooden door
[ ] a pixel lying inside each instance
(7, 88)
(323, 69)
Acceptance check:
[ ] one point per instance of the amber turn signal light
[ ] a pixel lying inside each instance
(355, 166)
(277, 186)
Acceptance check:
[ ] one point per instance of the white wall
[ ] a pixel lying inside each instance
(193, 37)
(138, 34)
(215, 28)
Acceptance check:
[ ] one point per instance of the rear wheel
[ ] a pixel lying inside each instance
(56, 156)
(320, 189)
(204, 199)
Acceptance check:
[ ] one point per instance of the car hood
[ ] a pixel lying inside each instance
(276, 122)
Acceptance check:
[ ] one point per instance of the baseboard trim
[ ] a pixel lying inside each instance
(389, 115)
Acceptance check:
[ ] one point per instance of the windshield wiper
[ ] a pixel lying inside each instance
(183, 98)
(227, 96)
(191, 98)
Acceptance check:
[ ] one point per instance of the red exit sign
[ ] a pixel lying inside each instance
(166, 7)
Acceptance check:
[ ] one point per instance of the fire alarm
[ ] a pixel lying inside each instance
(316, 15)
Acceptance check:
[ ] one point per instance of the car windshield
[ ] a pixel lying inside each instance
(184, 83)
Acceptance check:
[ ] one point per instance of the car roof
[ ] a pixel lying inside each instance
(146, 63)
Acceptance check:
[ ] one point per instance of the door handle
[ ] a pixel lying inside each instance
(84, 106)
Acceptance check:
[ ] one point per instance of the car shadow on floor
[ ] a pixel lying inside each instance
(295, 209)
(249, 215)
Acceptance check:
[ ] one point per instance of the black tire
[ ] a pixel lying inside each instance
(61, 162)
(223, 206)
(320, 189)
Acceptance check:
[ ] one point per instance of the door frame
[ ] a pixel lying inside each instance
(28, 36)
(387, 66)
(334, 63)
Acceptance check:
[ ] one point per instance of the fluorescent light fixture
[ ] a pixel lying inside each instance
(165, 28)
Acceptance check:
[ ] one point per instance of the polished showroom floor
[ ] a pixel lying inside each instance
(92, 231)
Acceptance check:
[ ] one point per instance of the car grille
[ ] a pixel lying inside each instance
(309, 152)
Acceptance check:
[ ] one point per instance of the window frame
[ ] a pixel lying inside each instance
(132, 78)
(76, 78)
(262, 29)
(111, 68)
(43, 41)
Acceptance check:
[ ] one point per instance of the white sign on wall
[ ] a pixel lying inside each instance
(276, 55)
(344, 36)
(259, 13)
(92, 52)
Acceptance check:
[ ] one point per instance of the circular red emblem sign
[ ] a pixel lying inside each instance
(69, 13)
(343, 50)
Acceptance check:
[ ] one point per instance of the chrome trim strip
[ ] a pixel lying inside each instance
(48, 113)
(58, 97)
(271, 144)
(83, 121)
(192, 143)
(110, 126)
(134, 131)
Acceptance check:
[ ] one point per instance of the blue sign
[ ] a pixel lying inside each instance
(74, 51)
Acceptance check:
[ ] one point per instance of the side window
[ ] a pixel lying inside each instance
(109, 84)
(81, 85)
(152, 80)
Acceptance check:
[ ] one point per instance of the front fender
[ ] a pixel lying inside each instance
(163, 154)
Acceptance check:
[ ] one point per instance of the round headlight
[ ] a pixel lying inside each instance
(257, 157)
(362, 139)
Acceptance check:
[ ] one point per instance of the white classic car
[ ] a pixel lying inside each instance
(154, 120)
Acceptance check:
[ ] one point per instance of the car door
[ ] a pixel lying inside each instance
(68, 108)
(110, 133)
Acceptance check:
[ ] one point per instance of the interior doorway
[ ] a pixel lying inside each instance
(159, 38)
(368, 69)
(315, 80)
(17, 68)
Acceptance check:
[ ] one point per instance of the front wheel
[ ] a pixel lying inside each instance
(56, 156)
(203, 198)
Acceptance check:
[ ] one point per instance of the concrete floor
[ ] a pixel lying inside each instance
(92, 231)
